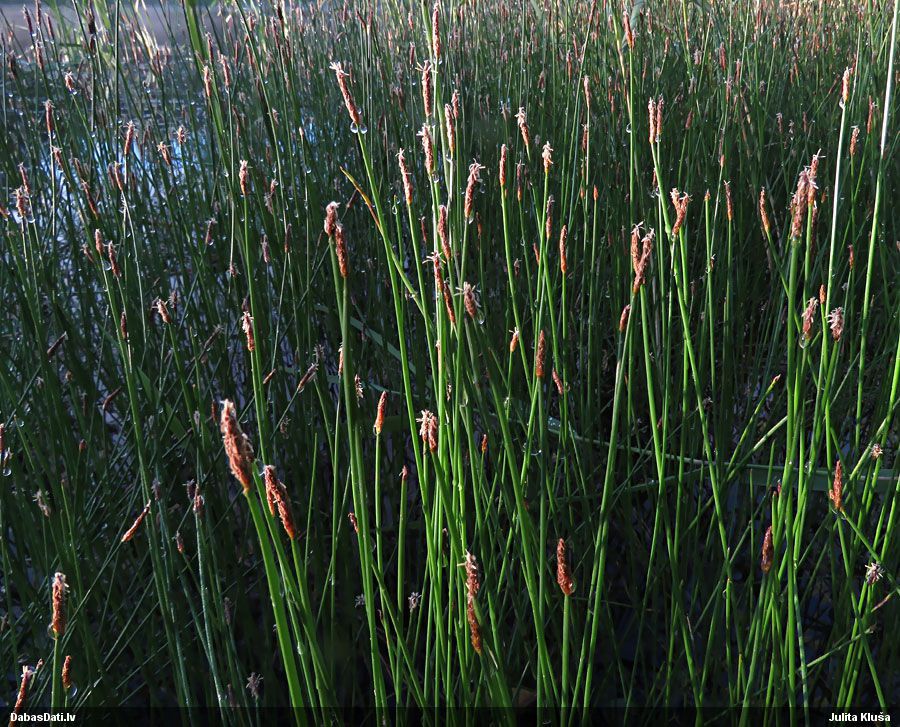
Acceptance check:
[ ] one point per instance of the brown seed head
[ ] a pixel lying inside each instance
(428, 148)
(837, 488)
(474, 627)
(651, 113)
(429, 429)
(503, 154)
(514, 341)
(563, 266)
(237, 447)
(129, 138)
(451, 129)
(854, 140)
(276, 496)
(436, 31)
(845, 87)
(132, 531)
(548, 217)
(473, 575)
(474, 176)
(469, 301)
(547, 156)
(540, 355)
(27, 673)
(343, 84)
(48, 117)
(623, 319)
(60, 588)
(563, 574)
(243, 176)
(522, 121)
(427, 89)
(836, 323)
(340, 248)
(629, 35)
(768, 552)
(247, 325)
(405, 176)
(379, 414)
(809, 317)
(680, 203)
(67, 673)
(443, 232)
(331, 218)
(729, 205)
(764, 215)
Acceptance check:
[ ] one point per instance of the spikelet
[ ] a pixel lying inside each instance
(799, 205)
(680, 203)
(502, 174)
(636, 247)
(247, 325)
(548, 218)
(340, 248)
(547, 156)
(563, 574)
(651, 114)
(845, 88)
(629, 34)
(163, 311)
(243, 176)
(522, 121)
(405, 176)
(729, 204)
(563, 266)
(331, 218)
(60, 588)
(27, 673)
(427, 89)
(130, 533)
(768, 552)
(854, 140)
(379, 414)
(640, 276)
(353, 521)
(540, 355)
(48, 117)
(514, 340)
(67, 673)
(436, 32)
(451, 130)
(836, 323)
(809, 317)
(129, 138)
(276, 497)
(474, 175)
(474, 627)
(443, 231)
(469, 301)
(237, 448)
(623, 319)
(428, 430)
(427, 148)
(342, 77)
(836, 493)
(763, 214)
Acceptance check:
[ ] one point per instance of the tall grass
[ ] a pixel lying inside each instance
(508, 424)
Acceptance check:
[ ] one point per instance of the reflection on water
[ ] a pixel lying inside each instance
(163, 21)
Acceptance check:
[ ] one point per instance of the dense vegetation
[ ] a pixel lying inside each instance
(582, 392)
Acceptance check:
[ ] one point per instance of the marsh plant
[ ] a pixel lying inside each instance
(479, 353)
